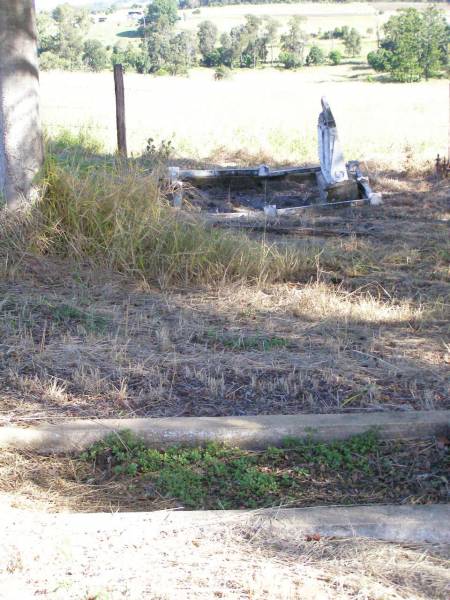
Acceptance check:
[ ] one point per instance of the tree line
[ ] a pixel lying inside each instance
(415, 44)
(63, 44)
(201, 3)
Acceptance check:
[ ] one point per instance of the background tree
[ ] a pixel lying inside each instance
(269, 37)
(95, 56)
(46, 32)
(72, 27)
(159, 9)
(435, 36)
(415, 45)
(182, 53)
(352, 42)
(225, 50)
(403, 41)
(337, 33)
(238, 43)
(254, 49)
(207, 39)
(158, 46)
(293, 44)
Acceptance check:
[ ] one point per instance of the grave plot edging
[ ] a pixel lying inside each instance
(252, 432)
(391, 523)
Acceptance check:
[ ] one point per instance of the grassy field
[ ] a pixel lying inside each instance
(266, 113)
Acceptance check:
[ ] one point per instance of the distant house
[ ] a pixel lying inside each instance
(135, 14)
(101, 18)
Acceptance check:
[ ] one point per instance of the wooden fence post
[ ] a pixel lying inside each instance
(120, 110)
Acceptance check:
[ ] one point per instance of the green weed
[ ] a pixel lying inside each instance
(242, 342)
(65, 313)
(217, 476)
(33, 311)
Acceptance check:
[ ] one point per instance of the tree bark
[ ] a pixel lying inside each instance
(21, 147)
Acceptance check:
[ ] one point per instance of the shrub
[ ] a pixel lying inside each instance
(162, 72)
(335, 57)
(289, 60)
(316, 56)
(379, 60)
(158, 153)
(95, 56)
(222, 72)
(132, 58)
(49, 61)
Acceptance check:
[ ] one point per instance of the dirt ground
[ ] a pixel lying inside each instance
(366, 327)
(85, 557)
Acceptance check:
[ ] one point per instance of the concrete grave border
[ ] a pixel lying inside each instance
(245, 432)
(391, 523)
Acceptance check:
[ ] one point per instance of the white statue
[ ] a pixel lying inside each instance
(332, 161)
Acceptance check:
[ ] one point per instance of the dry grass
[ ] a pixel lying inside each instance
(116, 216)
(362, 325)
(359, 568)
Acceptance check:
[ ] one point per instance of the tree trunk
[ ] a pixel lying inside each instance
(21, 148)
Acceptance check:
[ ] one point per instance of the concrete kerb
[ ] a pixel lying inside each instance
(245, 432)
(400, 524)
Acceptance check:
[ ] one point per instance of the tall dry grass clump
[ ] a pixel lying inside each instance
(116, 216)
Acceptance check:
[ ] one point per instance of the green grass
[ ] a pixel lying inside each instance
(246, 342)
(221, 477)
(33, 312)
(65, 314)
